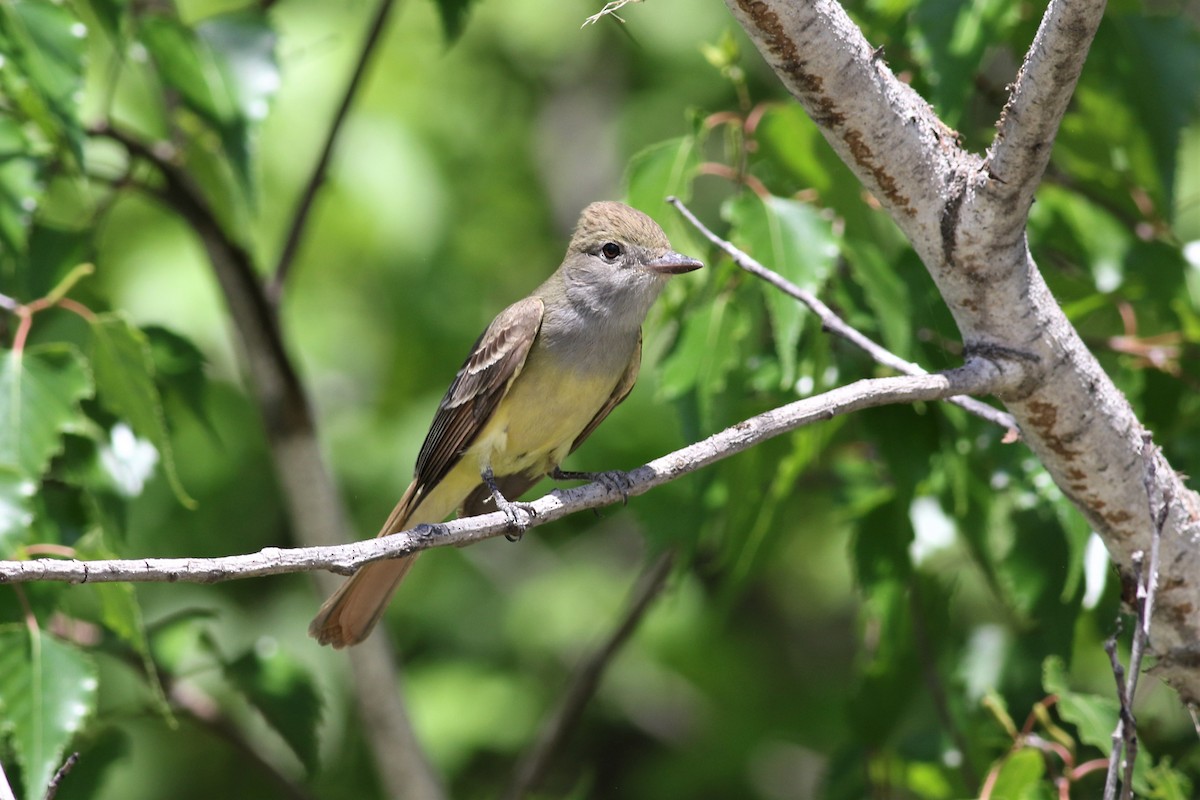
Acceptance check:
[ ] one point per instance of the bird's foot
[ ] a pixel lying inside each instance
(520, 515)
(614, 480)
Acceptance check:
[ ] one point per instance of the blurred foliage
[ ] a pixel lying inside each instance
(894, 604)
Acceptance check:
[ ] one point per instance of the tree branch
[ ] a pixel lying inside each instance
(834, 324)
(314, 508)
(584, 682)
(1043, 89)
(977, 376)
(964, 220)
(320, 171)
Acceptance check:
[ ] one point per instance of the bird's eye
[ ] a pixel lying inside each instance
(611, 250)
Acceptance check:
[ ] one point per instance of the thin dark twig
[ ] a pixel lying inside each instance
(834, 324)
(1146, 574)
(1124, 718)
(584, 681)
(321, 170)
(52, 787)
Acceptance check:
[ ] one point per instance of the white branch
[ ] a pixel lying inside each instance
(977, 376)
(834, 324)
(966, 219)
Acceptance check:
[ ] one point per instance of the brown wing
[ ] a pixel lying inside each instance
(495, 360)
(619, 393)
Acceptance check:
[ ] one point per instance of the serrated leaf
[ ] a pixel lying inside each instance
(45, 43)
(187, 66)
(792, 239)
(179, 369)
(658, 172)
(225, 71)
(47, 692)
(282, 689)
(886, 293)
(706, 351)
(16, 508)
(1020, 776)
(20, 186)
(243, 48)
(125, 385)
(1094, 717)
(40, 390)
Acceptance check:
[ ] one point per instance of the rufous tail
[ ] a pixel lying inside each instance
(351, 612)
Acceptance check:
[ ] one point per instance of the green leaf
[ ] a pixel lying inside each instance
(454, 16)
(16, 508)
(243, 50)
(45, 43)
(40, 390)
(1094, 717)
(706, 352)
(1157, 75)
(224, 70)
(949, 41)
(179, 371)
(885, 292)
(47, 692)
(1020, 776)
(282, 689)
(125, 385)
(20, 186)
(792, 239)
(661, 171)
(188, 67)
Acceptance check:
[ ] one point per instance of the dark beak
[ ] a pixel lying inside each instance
(672, 264)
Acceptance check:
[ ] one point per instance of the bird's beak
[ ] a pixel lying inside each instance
(672, 264)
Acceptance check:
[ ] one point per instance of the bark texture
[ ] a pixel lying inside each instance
(966, 217)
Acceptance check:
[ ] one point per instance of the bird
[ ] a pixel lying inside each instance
(538, 381)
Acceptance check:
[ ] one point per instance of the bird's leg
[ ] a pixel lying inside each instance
(613, 480)
(511, 509)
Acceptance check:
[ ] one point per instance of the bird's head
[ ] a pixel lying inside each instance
(619, 259)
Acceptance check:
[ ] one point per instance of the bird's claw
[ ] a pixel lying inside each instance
(520, 515)
(613, 480)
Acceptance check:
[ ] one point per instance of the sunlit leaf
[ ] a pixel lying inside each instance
(45, 43)
(47, 692)
(40, 390)
(1020, 777)
(16, 508)
(20, 187)
(792, 239)
(225, 71)
(661, 171)
(125, 385)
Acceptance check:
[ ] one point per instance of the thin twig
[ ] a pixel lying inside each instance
(977, 376)
(321, 170)
(52, 787)
(609, 10)
(314, 507)
(1123, 714)
(834, 324)
(584, 682)
(1146, 580)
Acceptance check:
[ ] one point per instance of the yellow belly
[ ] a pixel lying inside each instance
(536, 423)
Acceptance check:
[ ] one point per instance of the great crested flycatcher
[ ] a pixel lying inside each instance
(539, 380)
